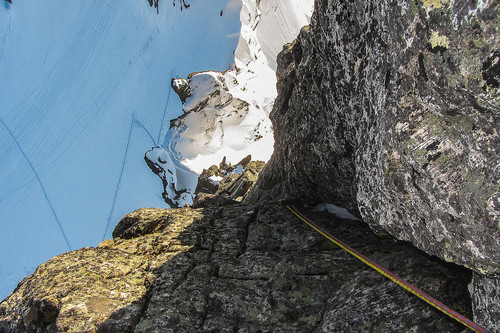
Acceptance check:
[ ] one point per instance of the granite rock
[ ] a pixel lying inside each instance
(227, 184)
(391, 110)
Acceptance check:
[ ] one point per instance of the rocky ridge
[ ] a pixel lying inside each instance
(414, 154)
(379, 143)
(237, 268)
(220, 120)
(226, 114)
(226, 184)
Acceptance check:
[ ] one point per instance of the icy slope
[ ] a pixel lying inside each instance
(84, 93)
(227, 114)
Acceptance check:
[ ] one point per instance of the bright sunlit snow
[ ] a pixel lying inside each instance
(227, 114)
(86, 93)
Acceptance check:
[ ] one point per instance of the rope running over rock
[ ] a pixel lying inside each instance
(393, 277)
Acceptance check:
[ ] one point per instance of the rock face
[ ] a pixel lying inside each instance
(391, 109)
(236, 268)
(486, 300)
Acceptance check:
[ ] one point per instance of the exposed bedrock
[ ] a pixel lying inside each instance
(383, 108)
(236, 268)
(387, 108)
(391, 109)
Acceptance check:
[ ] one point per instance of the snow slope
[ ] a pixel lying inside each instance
(85, 91)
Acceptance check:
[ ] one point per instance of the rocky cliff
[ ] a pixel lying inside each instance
(391, 109)
(232, 267)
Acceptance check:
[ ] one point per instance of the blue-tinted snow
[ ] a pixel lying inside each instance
(84, 86)
(340, 212)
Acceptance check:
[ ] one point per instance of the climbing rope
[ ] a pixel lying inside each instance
(406, 285)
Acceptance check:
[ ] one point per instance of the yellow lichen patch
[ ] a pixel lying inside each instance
(439, 40)
(436, 3)
(106, 244)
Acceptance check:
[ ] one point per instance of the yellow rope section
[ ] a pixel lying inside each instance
(393, 277)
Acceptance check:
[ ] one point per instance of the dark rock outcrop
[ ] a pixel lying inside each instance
(182, 4)
(485, 294)
(159, 161)
(226, 184)
(234, 269)
(391, 110)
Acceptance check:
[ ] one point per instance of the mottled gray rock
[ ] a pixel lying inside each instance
(486, 300)
(234, 269)
(391, 109)
(386, 108)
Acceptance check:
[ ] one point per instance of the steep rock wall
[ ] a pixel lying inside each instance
(391, 109)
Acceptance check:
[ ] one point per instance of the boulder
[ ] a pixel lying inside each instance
(226, 184)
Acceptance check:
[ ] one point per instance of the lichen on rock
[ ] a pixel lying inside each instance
(227, 184)
(390, 126)
(236, 268)
(391, 109)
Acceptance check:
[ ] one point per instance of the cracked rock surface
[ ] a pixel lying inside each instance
(391, 110)
(238, 268)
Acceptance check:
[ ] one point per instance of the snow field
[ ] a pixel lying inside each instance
(83, 82)
(86, 93)
(227, 114)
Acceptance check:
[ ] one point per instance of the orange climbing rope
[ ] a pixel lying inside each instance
(406, 285)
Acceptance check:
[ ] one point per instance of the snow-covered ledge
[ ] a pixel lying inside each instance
(227, 114)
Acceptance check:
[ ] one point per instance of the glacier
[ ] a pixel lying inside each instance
(86, 94)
